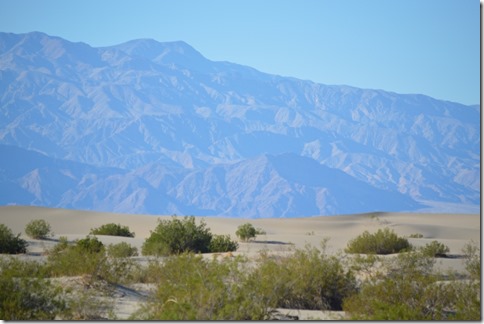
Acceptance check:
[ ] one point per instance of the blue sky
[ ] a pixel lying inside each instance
(413, 46)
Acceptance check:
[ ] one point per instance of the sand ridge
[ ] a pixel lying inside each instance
(282, 236)
(455, 229)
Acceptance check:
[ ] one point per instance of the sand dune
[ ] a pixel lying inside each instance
(282, 235)
(454, 230)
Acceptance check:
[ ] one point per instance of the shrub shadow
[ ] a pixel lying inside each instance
(270, 242)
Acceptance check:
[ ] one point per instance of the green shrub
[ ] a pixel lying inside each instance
(18, 268)
(29, 299)
(223, 243)
(245, 232)
(468, 292)
(91, 303)
(74, 260)
(61, 245)
(90, 245)
(9, 243)
(204, 290)
(25, 294)
(149, 273)
(382, 242)
(411, 290)
(307, 279)
(366, 266)
(84, 257)
(472, 260)
(467, 301)
(112, 229)
(88, 257)
(435, 249)
(176, 236)
(116, 270)
(37, 229)
(121, 250)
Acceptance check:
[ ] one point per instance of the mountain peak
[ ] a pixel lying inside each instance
(37, 47)
(177, 52)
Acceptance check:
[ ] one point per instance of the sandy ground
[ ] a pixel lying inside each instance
(282, 235)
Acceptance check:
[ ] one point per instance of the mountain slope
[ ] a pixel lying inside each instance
(32, 178)
(285, 185)
(192, 133)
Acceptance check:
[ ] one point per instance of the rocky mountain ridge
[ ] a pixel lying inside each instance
(156, 128)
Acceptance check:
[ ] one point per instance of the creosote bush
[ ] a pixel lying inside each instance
(25, 293)
(306, 279)
(88, 256)
(193, 288)
(382, 242)
(435, 249)
(177, 236)
(472, 260)
(81, 258)
(90, 245)
(38, 229)
(234, 289)
(409, 289)
(121, 250)
(10, 243)
(245, 232)
(113, 230)
(223, 243)
(468, 301)
(28, 293)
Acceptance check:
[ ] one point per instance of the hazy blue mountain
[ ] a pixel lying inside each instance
(149, 127)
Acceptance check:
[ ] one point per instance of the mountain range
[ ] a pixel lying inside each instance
(157, 128)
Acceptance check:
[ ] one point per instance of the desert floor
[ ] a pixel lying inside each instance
(282, 236)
